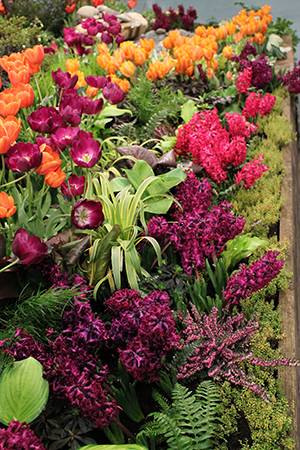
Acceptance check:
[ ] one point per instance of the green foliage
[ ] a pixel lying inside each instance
(283, 27)
(190, 421)
(15, 34)
(239, 248)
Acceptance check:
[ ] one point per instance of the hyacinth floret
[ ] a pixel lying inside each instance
(251, 171)
(198, 230)
(19, 436)
(222, 346)
(253, 278)
(291, 79)
(143, 330)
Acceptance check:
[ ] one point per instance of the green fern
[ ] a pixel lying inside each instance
(189, 422)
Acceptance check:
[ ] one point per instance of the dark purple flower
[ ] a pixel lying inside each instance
(119, 39)
(96, 82)
(29, 250)
(39, 140)
(113, 94)
(91, 107)
(85, 135)
(85, 152)
(64, 79)
(64, 137)
(23, 157)
(74, 186)
(19, 436)
(114, 28)
(92, 26)
(106, 38)
(71, 109)
(87, 214)
(46, 119)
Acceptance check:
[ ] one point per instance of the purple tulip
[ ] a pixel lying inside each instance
(92, 26)
(64, 137)
(96, 82)
(113, 94)
(64, 79)
(23, 157)
(114, 28)
(119, 39)
(86, 152)
(85, 135)
(87, 214)
(74, 186)
(40, 140)
(46, 119)
(91, 107)
(71, 108)
(29, 250)
(106, 38)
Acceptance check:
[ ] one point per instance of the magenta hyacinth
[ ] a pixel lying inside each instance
(23, 157)
(29, 250)
(74, 186)
(85, 152)
(19, 435)
(87, 214)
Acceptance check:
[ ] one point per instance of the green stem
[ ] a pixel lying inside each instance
(10, 265)
(38, 89)
(14, 181)
(30, 193)
(3, 169)
(45, 84)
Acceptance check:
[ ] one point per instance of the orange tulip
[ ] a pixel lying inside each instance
(147, 45)
(263, 26)
(19, 75)
(50, 161)
(221, 32)
(201, 31)
(34, 55)
(91, 92)
(128, 48)
(118, 58)
(213, 63)
(190, 70)
(7, 205)
(55, 178)
(25, 93)
(140, 56)
(238, 37)
(183, 63)
(105, 62)
(210, 73)
(9, 131)
(9, 104)
(5, 61)
(231, 27)
(72, 65)
(208, 53)
(195, 52)
(227, 52)
(259, 38)
(81, 79)
(102, 48)
(229, 75)
(124, 85)
(127, 69)
(265, 10)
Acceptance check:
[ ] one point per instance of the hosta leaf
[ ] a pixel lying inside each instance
(113, 447)
(23, 391)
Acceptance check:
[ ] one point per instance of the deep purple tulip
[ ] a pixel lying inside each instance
(92, 26)
(96, 82)
(87, 214)
(30, 250)
(91, 107)
(119, 39)
(115, 28)
(85, 135)
(86, 152)
(71, 109)
(46, 119)
(106, 38)
(23, 157)
(64, 79)
(113, 94)
(74, 186)
(64, 137)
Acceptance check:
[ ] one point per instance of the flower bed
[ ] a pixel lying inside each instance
(141, 267)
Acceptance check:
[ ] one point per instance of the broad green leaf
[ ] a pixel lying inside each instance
(159, 207)
(142, 168)
(119, 183)
(23, 391)
(178, 173)
(113, 111)
(157, 187)
(188, 109)
(239, 248)
(135, 178)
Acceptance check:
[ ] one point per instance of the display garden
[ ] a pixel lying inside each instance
(140, 202)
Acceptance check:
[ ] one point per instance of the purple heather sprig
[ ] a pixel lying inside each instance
(222, 346)
(253, 278)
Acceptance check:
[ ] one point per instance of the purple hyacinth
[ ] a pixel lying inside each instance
(19, 435)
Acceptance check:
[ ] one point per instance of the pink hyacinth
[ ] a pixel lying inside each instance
(243, 83)
(251, 172)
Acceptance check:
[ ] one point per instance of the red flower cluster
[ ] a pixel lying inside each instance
(243, 83)
(143, 330)
(251, 172)
(210, 145)
(256, 105)
(19, 436)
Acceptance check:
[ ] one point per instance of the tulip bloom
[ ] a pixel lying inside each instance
(7, 205)
(29, 250)
(55, 178)
(227, 52)
(113, 94)
(96, 82)
(127, 69)
(25, 93)
(50, 160)
(91, 92)
(9, 104)
(64, 79)
(74, 186)
(34, 55)
(21, 74)
(72, 65)
(46, 119)
(85, 152)
(23, 157)
(91, 107)
(9, 131)
(87, 214)
(64, 137)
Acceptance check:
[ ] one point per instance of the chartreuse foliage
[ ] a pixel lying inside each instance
(113, 447)
(23, 391)
(189, 422)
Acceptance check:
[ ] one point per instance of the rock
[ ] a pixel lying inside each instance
(160, 31)
(85, 12)
(135, 28)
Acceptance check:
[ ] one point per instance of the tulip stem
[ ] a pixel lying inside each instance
(3, 169)
(10, 265)
(13, 181)
(38, 89)
(45, 84)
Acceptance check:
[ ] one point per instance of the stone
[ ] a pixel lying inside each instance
(86, 12)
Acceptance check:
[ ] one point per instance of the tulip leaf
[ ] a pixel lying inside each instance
(117, 264)
(188, 109)
(113, 111)
(23, 391)
(119, 183)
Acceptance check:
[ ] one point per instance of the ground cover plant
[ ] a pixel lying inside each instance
(138, 272)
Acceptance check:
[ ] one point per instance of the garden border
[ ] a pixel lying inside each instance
(290, 228)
